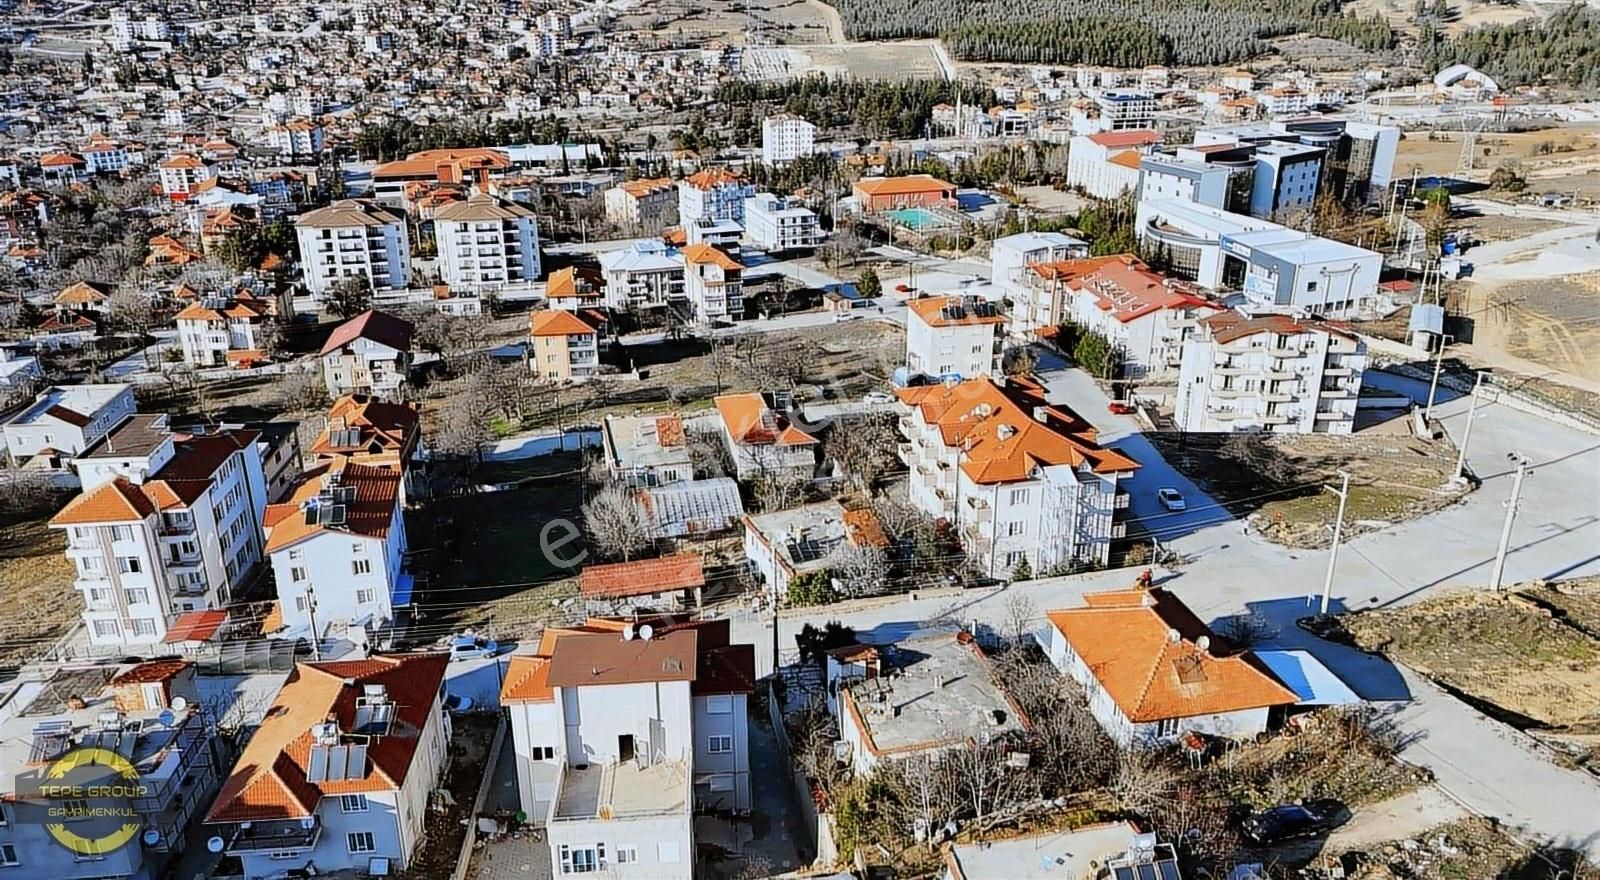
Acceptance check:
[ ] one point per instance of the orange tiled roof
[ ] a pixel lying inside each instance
(1133, 137)
(1000, 432)
(904, 185)
(391, 426)
(556, 322)
(931, 310)
(572, 282)
(646, 186)
(1125, 639)
(711, 178)
(269, 781)
(118, 501)
(864, 529)
(1126, 159)
(642, 577)
(712, 255)
(428, 162)
(749, 421)
(82, 293)
(1123, 285)
(368, 515)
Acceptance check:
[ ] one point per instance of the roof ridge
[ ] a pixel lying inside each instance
(1155, 668)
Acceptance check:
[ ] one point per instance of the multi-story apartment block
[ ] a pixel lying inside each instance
(103, 155)
(1106, 164)
(1359, 157)
(642, 205)
(337, 777)
(368, 354)
(487, 242)
(182, 174)
(296, 139)
(216, 332)
(354, 238)
(64, 420)
(562, 345)
(622, 730)
(642, 276)
(714, 194)
(1010, 257)
(1270, 373)
(337, 545)
(775, 224)
(1284, 100)
(1021, 479)
(955, 336)
(785, 138)
(762, 441)
(713, 284)
(575, 289)
(1124, 109)
(148, 713)
(166, 525)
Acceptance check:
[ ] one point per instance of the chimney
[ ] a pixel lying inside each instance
(1041, 414)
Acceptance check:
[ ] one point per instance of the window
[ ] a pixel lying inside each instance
(720, 743)
(8, 855)
(144, 626)
(627, 855)
(582, 860)
(720, 704)
(360, 566)
(360, 842)
(1018, 496)
(1167, 727)
(129, 564)
(299, 603)
(107, 628)
(1016, 528)
(297, 574)
(283, 854)
(140, 596)
(353, 803)
(542, 753)
(297, 554)
(364, 597)
(1014, 558)
(92, 565)
(121, 533)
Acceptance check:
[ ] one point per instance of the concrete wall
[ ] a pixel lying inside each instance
(594, 717)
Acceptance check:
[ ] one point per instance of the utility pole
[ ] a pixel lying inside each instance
(1338, 531)
(311, 612)
(1466, 434)
(1511, 516)
(1433, 387)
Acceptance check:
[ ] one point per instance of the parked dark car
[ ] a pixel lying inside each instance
(1289, 821)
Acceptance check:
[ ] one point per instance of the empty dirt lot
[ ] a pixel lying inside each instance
(1563, 159)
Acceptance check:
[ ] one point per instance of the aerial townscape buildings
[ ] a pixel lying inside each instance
(479, 440)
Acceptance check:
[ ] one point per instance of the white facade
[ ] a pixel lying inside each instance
(339, 574)
(1122, 109)
(299, 138)
(713, 284)
(1089, 166)
(785, 138)
(67, 419)
(1010, 257)
(776, 224)
(712, 195)
(1271, 374)
(365, 366)
(645, 274)
(354, 239)
(486, 243)
(207, 335)
(947, 336)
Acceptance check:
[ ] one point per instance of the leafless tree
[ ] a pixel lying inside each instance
(27, 493)
(1143, 781)
(864, 447)
(987, 785)
(302, 390)
(1020, 615)
(779, 489)
(463, 425)
(1248, 629)
(709, 455)
(861, 569)
(927, 793)
(615, 522)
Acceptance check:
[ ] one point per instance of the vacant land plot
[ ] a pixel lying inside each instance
(37, 602)
(1555, 158)
(1552, 322)
(1468, 849)
(1277, 480)
(910, 59)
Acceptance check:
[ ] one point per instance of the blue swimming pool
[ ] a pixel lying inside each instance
(918, 219)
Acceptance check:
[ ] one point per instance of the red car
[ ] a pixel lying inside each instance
(1118, 408)
(903, 288)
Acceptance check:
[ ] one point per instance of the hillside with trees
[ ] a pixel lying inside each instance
(1124, 33)
(1565, 49)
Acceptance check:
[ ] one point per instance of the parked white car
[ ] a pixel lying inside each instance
(1170, 498)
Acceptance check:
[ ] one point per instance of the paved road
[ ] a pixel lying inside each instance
(1481, 762)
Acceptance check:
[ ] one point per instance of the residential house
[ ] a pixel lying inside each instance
(1022, 480)
(954, 336)
(775, 224)
(785, 138)
(1154, 671)
(874, 194)
(622, 731)
(368, 354)
(148, 713)
(664, 584)
(166, 524)
(63, 421)
(645, 205)
(714, 194)
(354, 238)
(924, 696)
(646, 451)
(1011, 256)
(337, 546)
(1144, 314)
(487, 242)
(297, 139)
(645, 275)
(763, 442)
(713, 284)
(1106, 164)
(448, 166)
(372, 432)
(562, 345)
(85, 297)
(63, 168)
(1270, 373)
(339, 774)
(781, 545)
(218, 331)
(19, 373)
(575, 289)
(164, 250)
(181, 174)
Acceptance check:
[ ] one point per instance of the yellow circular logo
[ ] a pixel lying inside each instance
(90, 793)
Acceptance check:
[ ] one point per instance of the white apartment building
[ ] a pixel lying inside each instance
(64, 420)
(1010, 257)
(1124, 109)
(368, 354)
(621, 730)
(1021, 480)
(1284, 100)
(164, 526)
(644, 205)
(1106, 165)
(212, 330)
(713, 284)
(646, 274)
(1145, 314)
(126, 33)
(714, 194)
(336, 545)
(102, 155)
(1270, 373)
(354, 238)
(785, 138)
(486, 242)
(954, 336)
(776, 224)
(1359, 156)
(182, 174)
(762, 441)
(297, 138)
(336, 779)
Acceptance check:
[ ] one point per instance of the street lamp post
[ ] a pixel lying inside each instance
(1433, 386)
(1466, 434)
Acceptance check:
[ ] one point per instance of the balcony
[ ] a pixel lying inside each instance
(1279, 375)
(1337, 371)
(1230, 371)
(1277, 397)
(904, 451)
(1332, 416)
(1226, 393)
(1119, 530)
(1225, 415)
(1285, 353)
(1276, 419)
(1334, 393)
(278, 835)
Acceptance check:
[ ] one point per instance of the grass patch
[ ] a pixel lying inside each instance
(37, 602)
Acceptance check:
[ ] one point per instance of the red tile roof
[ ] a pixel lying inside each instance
(374, 325)
(642, 577)
(196, 626)
(369, 514)
(1133, 137)
(153, 671)
(750, 422)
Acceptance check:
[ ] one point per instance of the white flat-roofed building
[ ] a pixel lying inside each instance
(64, 420)
(647, 450)
(776, 224)
(954, 336)
(354, 238)
(785, 138)
(1123, 109)
(713, 284)
(1105, 165)
(644, 205)
(713, 194)
(1010, 257)
(646, 274)
(1270, 373)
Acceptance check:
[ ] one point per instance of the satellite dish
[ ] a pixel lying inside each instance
(215, 844)
(180, 703)
(1174, 636)
(151, 837)
(1203, 643)
(646, 631)
(627, 633)
(166, 717)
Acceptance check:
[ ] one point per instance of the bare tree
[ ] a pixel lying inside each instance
(1143, 781)
(988, 786)
(463, 425)
(1020, 614)
(615, 522)
(864, 448)
(709, 455)
(779, 489)
(1248, 629)
(928, 793)
(301, 390)
(861, 569)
